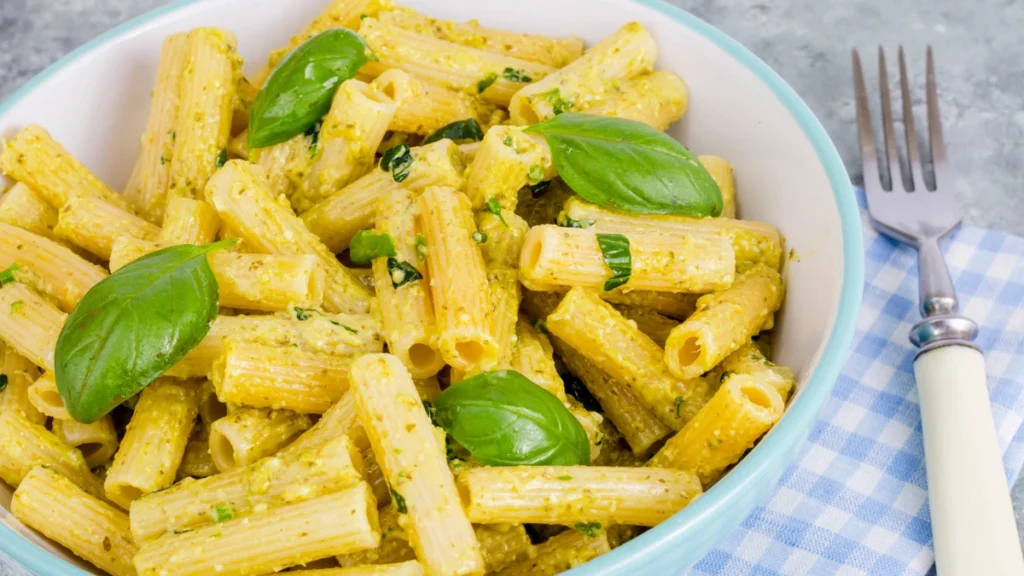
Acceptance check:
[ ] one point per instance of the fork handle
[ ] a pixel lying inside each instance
(973, 525)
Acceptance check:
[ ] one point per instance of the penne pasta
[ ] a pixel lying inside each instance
(47, 266)
(596, 330)
(459, 284)
(147, 186)
(245, 204)
(739, 413)
(553, 256)
(414, 466)
(84, 524)
(723, 322)
(353, 208)
(249, 434)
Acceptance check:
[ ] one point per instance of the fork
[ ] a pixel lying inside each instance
(973, 526)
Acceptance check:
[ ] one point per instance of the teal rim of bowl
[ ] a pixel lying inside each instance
(801, 413)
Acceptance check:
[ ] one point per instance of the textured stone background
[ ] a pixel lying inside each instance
(807, 41)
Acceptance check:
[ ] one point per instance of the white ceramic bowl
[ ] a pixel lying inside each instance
(95, 102)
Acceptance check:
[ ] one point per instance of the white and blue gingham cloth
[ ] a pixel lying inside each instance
(855, 502)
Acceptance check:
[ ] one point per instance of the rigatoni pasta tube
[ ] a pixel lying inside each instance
(94, 224)
(721, 172)
(20, 373)
(51, 268)
(629, 51)
(44, 396)
(505, 234)
(459, 284)
(553, 51)
(203, 125)
(674, 305)
(753, 242)
(494, 76)
(268, 283)
(351, 131)
(248, 434)
(285, 164)
(575, 494)
(35, 158)
(268, 483)
(505, 295)
(723, 322)
(286, 536)
(739, 413)
(507, 160)
(264, 376)
(337, 14)
(415, 466)
(655, 325)
(25, 445)
(657, 99)
(407, 568)
(147, 186)
(406, 312)
(340, 419)
(353, 208)
(196, 462)
(532, 357)
(596, 330)
(335, 334)
(96, 441)
(189, 221)
(748, 359)
(154, 443)
(32, 324)
(639, 426)
(246, 205)
(554, 256)
(425, 107)
(82, 523)
(560, 553)
(21, 207)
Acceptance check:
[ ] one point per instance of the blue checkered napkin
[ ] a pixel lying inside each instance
(855, 502)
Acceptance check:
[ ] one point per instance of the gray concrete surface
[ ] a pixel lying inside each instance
(807, 41)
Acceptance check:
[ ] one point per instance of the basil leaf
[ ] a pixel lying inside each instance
(222, 158)
(132, 326)
(567, 222)
(222, 513)
(367, 245)
(3, 382)
(559, 105)
(504, 419)
(615, 251)
(590, 529)
(402, 272)
(486, 82)
(7, 276)
(540, 188)
(397, 160)
(629, 166)
(399, 501)
(513, 75)
(300, 89)
(458, 130)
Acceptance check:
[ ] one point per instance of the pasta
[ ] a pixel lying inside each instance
(443, 332)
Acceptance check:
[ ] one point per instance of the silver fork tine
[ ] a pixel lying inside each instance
(913, 153)
(868, 154)
(889, 137)
(935, 142)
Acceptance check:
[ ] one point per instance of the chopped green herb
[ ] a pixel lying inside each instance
(397, 160)
(591, 529)
(714, 443)
(314, 133)
(222, 157)
(302, 314)
(567, 222)
(507, 141)
(725, 376)
(565, 478)
(402, 474)
(679, 401)
(222, 513)
(347, 328)
(364, 16)
(174, 135)
(430, 409)
(486, 82)
(536, 173)
(367, 245)
(3, 382)
(513, 75)
(494, 207)
(163, 160)
(541, 325)
(615, 251)
(479, 237)
(558, 104)
(15, 306)
(399, 502)
(7, 276)
(402, 273)
(421, 247)
(460, 130)
(539, 188)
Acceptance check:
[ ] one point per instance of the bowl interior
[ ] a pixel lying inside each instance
(787, 173)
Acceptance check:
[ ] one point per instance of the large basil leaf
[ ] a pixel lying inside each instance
(629, 166)
(300, 89)
(134, 325)
(504, 419)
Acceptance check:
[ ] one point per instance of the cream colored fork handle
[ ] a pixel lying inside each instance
(972, 519)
